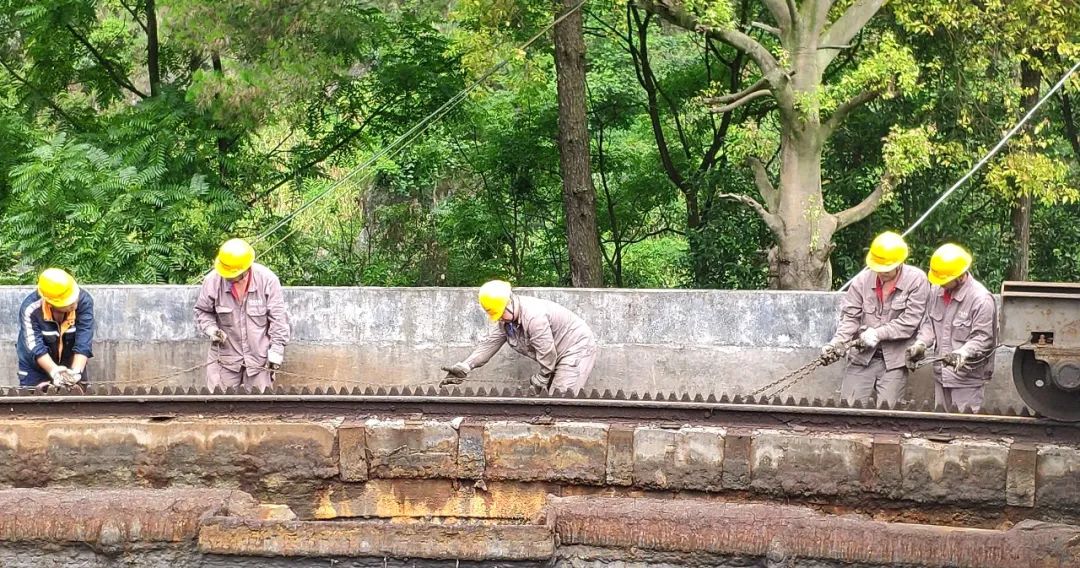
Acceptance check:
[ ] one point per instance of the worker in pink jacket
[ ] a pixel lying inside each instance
(553, 336)
(241, 309)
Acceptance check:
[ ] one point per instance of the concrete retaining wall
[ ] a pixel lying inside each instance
(708, 342)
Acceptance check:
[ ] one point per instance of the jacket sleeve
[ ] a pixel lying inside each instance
(205, 316)
(543, 342)
(278, 315)
(981, 341)
(907, 325)
(926, 330)
(487, 349)
(84, 326)
(31, 332)
(850, 314)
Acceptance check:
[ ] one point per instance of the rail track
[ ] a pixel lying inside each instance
(494, 404)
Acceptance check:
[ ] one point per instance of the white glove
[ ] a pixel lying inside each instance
(274, 358)
(539, 381)
(870, 338)
(216, 335)
(458, 370)
(957, 359)
(73, 378)
(59, 375)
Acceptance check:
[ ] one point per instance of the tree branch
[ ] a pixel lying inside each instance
(1070, 122)
(723, 99)
(780, 12)
(667, 10)
(766, 27)
(640, 56)
(846, 27)
(764, 185)
(847, 107)
(48, 102)
(116, 77)
(134, 14)
(865, 207)
(740, 102)
(775, 224)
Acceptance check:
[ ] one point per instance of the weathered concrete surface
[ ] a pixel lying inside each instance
(1058, 475)
(810, 464)
(433, 498)
(688, 458)
(962, 471)
(784, 533)
(415, 448)
(257, 457)
(386, 336)
(568, 451)
(228, 536)
(114, 519)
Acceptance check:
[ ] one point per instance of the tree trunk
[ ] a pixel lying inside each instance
(152, 51)
(800, 259)
(579, 195)
(1030, 79)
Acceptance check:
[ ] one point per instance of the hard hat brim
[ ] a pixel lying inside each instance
(226, 272)
(879, 267)
(68, 300)
(941, 279)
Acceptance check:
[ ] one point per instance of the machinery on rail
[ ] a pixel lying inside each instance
(1042, 321)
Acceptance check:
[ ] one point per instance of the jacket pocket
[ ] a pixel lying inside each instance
(962, 326)
(258, 314)
(225, 316)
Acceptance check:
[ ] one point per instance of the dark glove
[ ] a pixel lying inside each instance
(216, 336)
(830, 353)
(915, 353)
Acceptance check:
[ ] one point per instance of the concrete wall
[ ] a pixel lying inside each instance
(696, 341)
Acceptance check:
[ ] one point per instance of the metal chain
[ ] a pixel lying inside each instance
(794, 376)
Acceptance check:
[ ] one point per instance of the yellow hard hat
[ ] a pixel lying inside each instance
(234, 257)
(886, 252)
(948, 263)
(493, 298)
(58, 288)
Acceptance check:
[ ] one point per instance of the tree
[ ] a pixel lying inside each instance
(806, 38)
(579, 195)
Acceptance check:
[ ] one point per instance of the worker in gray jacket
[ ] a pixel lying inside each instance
(882, 308)
(559, 340)
(961, 327)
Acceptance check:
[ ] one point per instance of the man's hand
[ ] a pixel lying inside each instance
(830, 353)
(274, 359)
(60, 375)
(539, 381)
(458, 370)
(870, 338)
(73, 378)
(216, 335)
(957, 359)
(914, 353)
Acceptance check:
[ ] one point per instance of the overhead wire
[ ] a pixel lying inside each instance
(978, 165)
(399, 143)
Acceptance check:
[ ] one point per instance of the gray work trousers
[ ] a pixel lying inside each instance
(573, 370)
(864, 383)
(966, 399)
(218, 376)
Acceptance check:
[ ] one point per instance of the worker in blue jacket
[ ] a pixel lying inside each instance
(56, 332)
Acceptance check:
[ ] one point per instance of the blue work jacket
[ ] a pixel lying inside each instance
(40, 335)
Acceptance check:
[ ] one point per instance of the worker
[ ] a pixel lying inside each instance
(542, 330)
(879, 317)
(56, 332)
(241, 309)
(960, 326)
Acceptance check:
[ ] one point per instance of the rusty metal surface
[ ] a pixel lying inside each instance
(114, 518)
(231, 536)
(1030, 309)
(783, 532)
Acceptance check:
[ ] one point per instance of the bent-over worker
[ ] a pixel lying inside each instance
(883, 308)
(559, 340)
(241, 309)
(961, 327)
(56, 332)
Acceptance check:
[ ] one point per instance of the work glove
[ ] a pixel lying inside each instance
(60, 375)
(455, 374)
(216, 335)
(539, 381)
(274, 359)
(830, 353)
(914, 353)
(73, 378)
(957, 359)
(870, 338)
